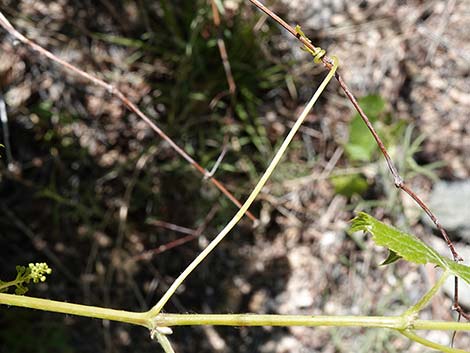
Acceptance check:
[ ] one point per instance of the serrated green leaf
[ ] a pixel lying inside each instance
(406, 245)
(391, 258)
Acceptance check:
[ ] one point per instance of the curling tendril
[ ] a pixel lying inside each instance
(318, 53)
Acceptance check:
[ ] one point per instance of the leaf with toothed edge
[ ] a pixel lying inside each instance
(391, 258)
(406, 246)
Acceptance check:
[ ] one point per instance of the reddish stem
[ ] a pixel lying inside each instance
(131, 106)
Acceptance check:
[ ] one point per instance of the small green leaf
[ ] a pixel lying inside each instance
(360, 150)
(391, 258)
(349, 185)
(406, 245)
(372, 104)
(361, 144)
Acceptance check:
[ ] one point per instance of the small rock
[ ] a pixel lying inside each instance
(450, 202)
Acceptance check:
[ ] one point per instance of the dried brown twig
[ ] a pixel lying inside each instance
(222, 49)
(398, 180)
(191, 235)
(131, 106)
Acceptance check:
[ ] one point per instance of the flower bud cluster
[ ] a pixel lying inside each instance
(39, 270)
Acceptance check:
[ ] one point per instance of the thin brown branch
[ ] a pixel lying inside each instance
(170, 226)
(456, 307)
(131, 106)
(398, 180)
(222, 49)
(192, 234)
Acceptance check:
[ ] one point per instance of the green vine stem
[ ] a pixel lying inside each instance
(159, 324)
(427, 297)
(164, 342)
(244, 208)
(412, 336)
(129, 317)
(5, 285)
(390, 322)
(402, 322)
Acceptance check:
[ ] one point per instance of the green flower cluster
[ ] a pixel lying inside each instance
(35, 272)
(39, 270)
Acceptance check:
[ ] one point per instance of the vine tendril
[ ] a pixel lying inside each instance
(318, 53)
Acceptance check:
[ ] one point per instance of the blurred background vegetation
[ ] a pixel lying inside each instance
(89, 188)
